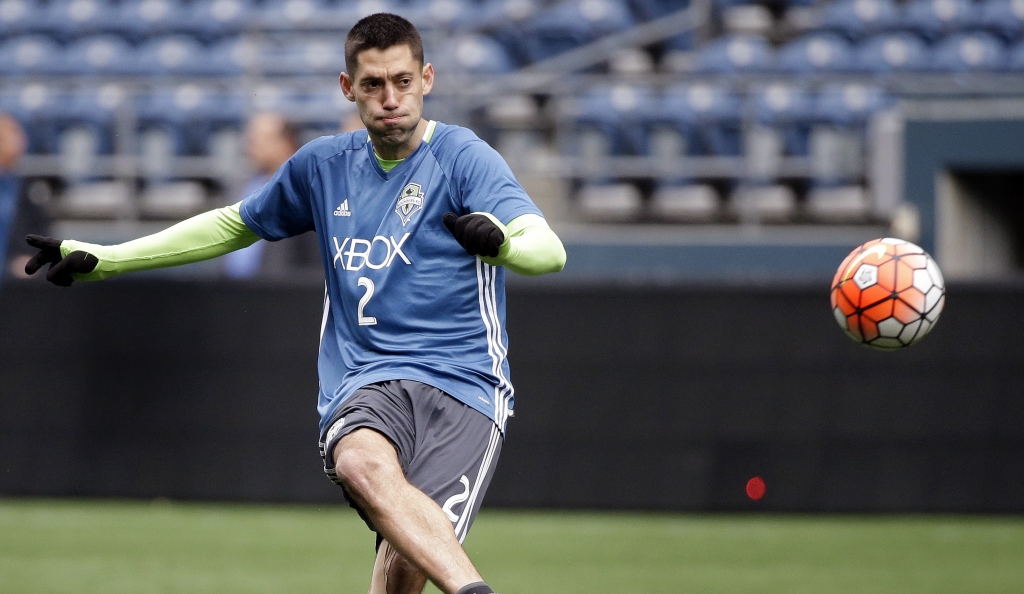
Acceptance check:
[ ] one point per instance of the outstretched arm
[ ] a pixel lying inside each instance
(201, 237)
(525, 246)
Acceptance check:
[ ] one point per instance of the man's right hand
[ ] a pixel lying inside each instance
(61, 268)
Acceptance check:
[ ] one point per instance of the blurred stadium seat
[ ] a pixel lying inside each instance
(99, 55)
(786, 109)
(234, 56)
(610, 202)
(893, 52)
(651, 9)
(139, 19)
(572, 23)
(610, 121)
(964, 52)
(685, 203)
(1004, 17)
(73, 18)
(302, 55)
(440, 14)
(857, 19)
(33, 105)
(715, 112)
(285, 14)
(212, 19)
(181, 120)
(756, 203)
(30, 54)
(20, 16)
(1015, 57)
(472, 54)
(736, 53)
(934, 19)
(171, 55)
(817, 52)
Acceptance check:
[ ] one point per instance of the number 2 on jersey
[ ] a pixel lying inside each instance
(368, 285)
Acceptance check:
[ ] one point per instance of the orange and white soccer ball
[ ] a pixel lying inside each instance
(888, 293)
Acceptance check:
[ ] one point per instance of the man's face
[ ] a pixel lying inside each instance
(388, 87)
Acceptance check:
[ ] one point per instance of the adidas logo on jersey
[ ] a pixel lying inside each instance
(342, 210)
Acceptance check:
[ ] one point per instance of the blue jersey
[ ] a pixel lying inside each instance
(404, 300)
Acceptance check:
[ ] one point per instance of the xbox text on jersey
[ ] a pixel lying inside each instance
(380, 252)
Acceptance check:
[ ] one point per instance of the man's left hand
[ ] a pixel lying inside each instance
(476, 233)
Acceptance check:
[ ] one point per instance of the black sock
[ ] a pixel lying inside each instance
(476, 588)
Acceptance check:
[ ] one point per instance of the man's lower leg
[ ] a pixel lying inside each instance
(410, 521)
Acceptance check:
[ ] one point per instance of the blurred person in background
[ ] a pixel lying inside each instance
(417, 222)
(12, 147)
(270, 140)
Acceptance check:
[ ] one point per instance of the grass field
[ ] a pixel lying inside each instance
(139, 548)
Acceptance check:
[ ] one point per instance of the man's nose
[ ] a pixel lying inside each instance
(390, 97)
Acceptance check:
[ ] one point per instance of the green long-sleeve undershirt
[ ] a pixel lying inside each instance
(530, 247)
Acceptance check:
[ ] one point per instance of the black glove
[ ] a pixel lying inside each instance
(475, 232)
(61, 269)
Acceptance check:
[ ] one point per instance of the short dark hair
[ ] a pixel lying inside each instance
(381, 31)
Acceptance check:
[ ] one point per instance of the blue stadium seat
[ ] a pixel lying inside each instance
(857, 19)
(34, 106)
(18, 17)
(934, 19)
(213, 19)
(646, 10)
(139, 19)
(288, 14)
(572, 23)
(446, 15)
(893, 52)
(303, 56)
(233, 56)
(348, 12)
(817, 52)
(1015, 58)
(849, 105)
(74, 18)
(188, 114)
(92, 110)
(323, 109)
(505, 20)
(473, 54)
(1004, 17)
(30, 54)
(610, 121)
(171, 55)
(965, 52)
(709, 117)
(736, 53)
(788, 109)
(98, 55)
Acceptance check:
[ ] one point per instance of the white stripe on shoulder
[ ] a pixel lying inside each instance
(429, 132)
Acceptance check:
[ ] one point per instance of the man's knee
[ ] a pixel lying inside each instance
(362, 459)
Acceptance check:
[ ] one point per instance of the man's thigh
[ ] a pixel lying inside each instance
(446, 449)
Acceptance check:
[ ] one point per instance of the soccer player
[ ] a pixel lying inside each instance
(416, 222)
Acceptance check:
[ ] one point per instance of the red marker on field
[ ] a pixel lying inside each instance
(755, 488)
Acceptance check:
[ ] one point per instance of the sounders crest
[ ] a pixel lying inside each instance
(409, 201)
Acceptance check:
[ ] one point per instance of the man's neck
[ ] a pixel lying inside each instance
(397, 152)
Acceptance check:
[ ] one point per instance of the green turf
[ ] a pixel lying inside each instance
(116, 547)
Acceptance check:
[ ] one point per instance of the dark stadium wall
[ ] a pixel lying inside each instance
(627, 397)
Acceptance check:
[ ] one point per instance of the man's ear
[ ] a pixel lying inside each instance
(346, 86)
(428, 78)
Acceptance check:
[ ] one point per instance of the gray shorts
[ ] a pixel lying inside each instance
(447, 449)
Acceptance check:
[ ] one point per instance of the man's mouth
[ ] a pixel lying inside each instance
(391, 119)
